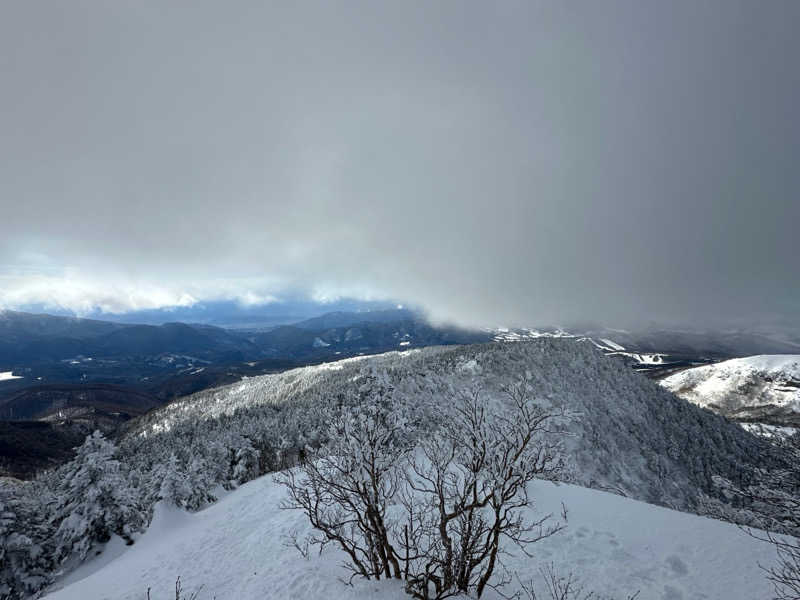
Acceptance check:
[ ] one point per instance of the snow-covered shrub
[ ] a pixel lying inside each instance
(558, 586)
(180, 594)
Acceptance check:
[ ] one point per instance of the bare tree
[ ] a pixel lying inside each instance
(773, 507)
(435, 515)
(470, 481)
(346, 486)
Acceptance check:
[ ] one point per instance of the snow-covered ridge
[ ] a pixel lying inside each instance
(610, 347)
(616, 546)
(742, 386)
(504, 334)
(253, 392)
(632, 436)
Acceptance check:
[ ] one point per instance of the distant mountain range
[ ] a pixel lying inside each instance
(231, 314)
(98, 374)
(86, 345)
(44, 357)
(173, 359)
(27, 339)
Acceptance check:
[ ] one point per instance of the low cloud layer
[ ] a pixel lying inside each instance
(513, 164)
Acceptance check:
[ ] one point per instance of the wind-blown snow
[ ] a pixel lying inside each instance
(235, 550)
(742, 383)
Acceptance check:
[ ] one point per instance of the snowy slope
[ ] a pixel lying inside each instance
(235, 550)
(743, 387)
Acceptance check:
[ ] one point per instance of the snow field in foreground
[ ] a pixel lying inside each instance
(236, 550)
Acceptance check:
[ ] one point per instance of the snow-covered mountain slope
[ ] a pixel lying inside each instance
(628, 434)
(235, 549)
(756, 387)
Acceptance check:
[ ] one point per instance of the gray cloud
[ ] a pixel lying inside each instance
(519, 163)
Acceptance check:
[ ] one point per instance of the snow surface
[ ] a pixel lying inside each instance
(767, 430)
(741, 383)
(8, 375)
(612, 345)
(235, 549)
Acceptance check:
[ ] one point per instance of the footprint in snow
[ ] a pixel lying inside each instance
(678, 567)
(671, 593)
(620, 555)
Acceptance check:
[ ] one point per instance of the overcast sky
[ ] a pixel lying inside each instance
(495, 162)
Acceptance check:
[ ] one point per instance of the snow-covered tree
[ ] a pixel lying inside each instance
(25, 558)
(245, 459)
(173, 486)
(94, 500)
